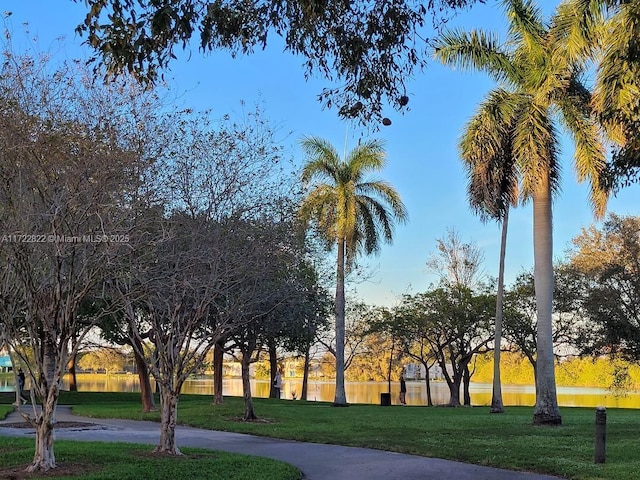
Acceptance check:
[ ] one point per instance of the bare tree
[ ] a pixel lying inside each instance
(199, 272)
(456, 262)
(63, 172)
(176, 286)
(12, 312)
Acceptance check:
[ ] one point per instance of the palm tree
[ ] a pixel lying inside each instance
(351, 211)
(486, 149)
(541, 83)
(497, 406)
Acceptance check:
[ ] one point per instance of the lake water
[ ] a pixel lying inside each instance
(364, 392)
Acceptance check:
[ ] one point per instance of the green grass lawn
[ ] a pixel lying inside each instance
(122, 461)
(465, 434)
(5, 410)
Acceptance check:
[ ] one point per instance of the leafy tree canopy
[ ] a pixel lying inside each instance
(609, 258)
(366, 49)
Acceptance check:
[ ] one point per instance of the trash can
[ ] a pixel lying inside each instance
(385, 399)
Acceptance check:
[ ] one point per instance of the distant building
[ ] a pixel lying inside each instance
(293, 367)
(233, 369)
(416, 371)
(5, 363)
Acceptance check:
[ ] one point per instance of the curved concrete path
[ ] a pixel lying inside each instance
(316, 461)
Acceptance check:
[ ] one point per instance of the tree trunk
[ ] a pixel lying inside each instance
(218, 357)
(18, 392)
(496, 397)
(73, 380)
(341, 396)
(428, 384)
(168, 420)
(453, 382)
(389, 370)
(273, 367)
(546, 411)
(454, 392)
(146, 393)
(249, 412)
(49, 361)
(44, 458)
(466, 382)
(305, 375)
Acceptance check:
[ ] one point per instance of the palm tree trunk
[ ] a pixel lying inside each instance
(341, 397)
(546, 411)
(496, 398)
(49, 361)
(389, 369)
(19, 392)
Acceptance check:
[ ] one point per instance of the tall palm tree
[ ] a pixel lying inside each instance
(497, 406)
(352, 211)
(540, 83)
(486, 149)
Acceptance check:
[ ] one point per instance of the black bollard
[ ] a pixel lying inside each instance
(601, 434)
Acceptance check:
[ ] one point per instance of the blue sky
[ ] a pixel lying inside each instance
(423, 162)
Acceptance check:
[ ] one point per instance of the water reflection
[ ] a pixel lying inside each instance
(361, 392)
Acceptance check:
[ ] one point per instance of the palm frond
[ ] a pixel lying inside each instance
(319, 206)
(323, 159)
(617, 88)
(475, 50)
(536, 149)
(576, 26)
(368, 157)
(486, 150)
(526, 25)
(386, 193)
(589, 159)
(370, 226)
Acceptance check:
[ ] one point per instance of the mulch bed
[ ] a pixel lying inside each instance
(61, 470)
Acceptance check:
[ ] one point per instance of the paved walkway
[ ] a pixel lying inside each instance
(317, 461)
